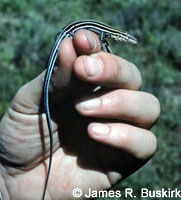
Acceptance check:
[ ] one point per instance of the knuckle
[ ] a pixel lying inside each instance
(20, 92)
(153, 109)
(139, 80)
(151, 145)
(138, 77)
(127, 71)
(156, 107)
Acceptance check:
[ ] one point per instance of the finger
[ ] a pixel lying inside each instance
(136, 107)
(86, 42)
(108, 70)
(66, 58)
(139, 142)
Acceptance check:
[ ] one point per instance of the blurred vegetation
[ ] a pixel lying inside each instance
(27, 30)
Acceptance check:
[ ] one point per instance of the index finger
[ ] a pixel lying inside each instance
(86, 42)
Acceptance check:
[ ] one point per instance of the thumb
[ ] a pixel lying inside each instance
(29, 97)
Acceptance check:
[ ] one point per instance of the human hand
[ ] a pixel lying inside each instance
(107, 141)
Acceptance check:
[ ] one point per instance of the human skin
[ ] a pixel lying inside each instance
(100, 137)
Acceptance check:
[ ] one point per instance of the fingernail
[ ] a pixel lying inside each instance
(90, 104)
(91, 40)
(100, 129)
(93, 66)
